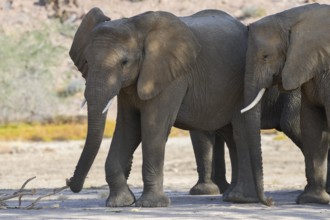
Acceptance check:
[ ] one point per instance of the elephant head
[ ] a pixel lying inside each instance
(149, 51)
(286, 49)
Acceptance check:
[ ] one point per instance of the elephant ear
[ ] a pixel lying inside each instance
(309, 50)
(81, 38)
(170, 50)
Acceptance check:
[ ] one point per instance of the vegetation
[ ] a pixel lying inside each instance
(48, 132)
(37, 86)
(57, 131)
(30, 73)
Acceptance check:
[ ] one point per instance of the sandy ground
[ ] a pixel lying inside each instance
(52, 163)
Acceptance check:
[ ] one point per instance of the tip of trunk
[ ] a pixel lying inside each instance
(75, 185)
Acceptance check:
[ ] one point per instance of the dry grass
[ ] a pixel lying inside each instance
(57, 131)
(47, 132)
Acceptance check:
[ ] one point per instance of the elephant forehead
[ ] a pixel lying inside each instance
(154, 46)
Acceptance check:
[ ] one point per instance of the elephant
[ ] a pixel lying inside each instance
(166, 71)
(279, 111)
(291, 49)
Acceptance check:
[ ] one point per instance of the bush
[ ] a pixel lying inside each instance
(30, 73)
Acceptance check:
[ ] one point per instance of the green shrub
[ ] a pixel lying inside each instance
(31, 71)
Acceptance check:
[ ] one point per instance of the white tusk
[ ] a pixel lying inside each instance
(107, 107)
(255, 101)
(83, 103)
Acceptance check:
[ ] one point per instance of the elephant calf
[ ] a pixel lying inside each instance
(165, 70)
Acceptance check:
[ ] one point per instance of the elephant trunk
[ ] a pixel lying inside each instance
(253, 123)
(96, 124)
(98, 94)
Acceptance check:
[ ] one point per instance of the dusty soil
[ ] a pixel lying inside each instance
(52, 163)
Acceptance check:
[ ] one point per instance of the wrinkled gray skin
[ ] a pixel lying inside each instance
(278, 111)
(292, 49)
(187, 72)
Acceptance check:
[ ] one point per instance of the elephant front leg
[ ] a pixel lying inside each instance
(152, 172)
(315, 148)
(154, 136)
(126, 138)
(157, 118)
(203, 144)
(242, 188)
(118, 165)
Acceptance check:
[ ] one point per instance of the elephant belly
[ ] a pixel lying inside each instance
(210, 105)
(208, 118)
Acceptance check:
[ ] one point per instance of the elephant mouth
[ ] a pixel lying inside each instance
(277, 79)
(107, 106)
(109, 102)
(126, 82)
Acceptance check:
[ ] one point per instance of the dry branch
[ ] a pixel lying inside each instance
(22, 192)
(55, 191)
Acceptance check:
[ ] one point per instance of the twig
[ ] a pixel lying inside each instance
(22, 188)
(17, 194)
(26, 182)
(21, 192)
(55, 191)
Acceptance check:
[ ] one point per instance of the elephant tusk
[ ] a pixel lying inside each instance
(83, 103)
(107, 107)
(255, 101)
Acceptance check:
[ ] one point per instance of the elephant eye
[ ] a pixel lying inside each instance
(124, 62)
(265, 57)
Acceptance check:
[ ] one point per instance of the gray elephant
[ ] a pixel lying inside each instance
(278, 111)
(187, 72)
(292, 49)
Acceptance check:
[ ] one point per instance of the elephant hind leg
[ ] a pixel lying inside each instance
(204, 146)
(219, 163)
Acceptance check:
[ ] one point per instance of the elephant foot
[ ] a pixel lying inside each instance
(225, 193)
(204, 189)
(120, 198)
(223, 186)
(313, 196)
(236, 195)
(328, 188)
(153, 200)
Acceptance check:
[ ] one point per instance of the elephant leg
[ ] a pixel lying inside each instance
(315, 148)
(290, 123)
(219, 167)
(157, 118)
(226, 134)
(127, 137)
(242, 189)
(154, 137)
(203, 144)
